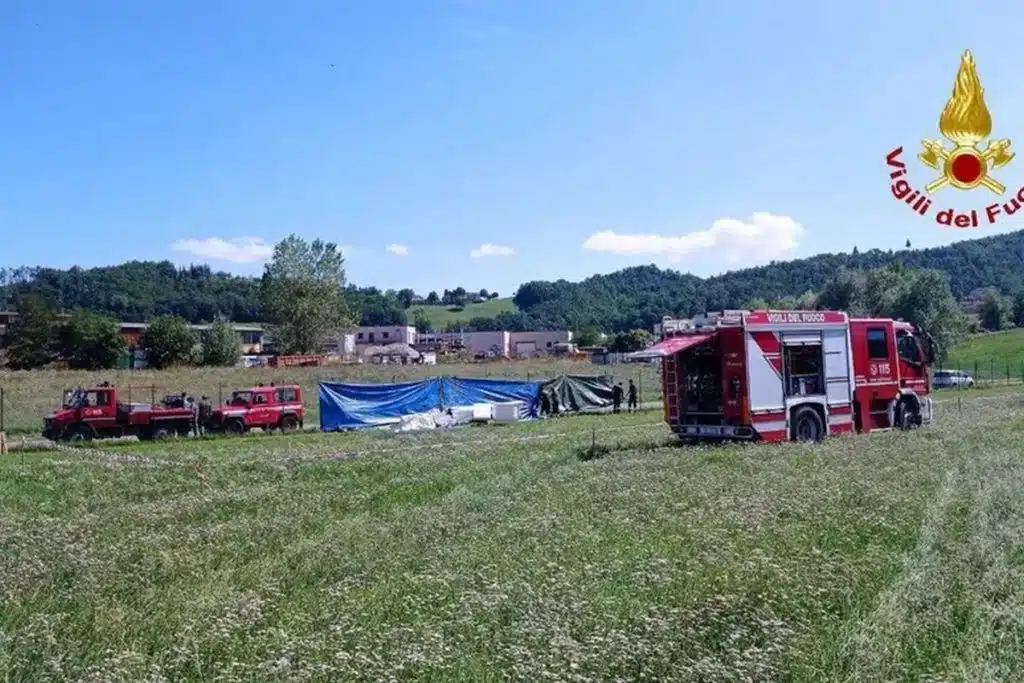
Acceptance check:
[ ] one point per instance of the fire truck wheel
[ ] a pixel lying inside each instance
(807, 425)
(80, 433)
(160, 433)
(908, 412)
(234, 427)
(288, 423)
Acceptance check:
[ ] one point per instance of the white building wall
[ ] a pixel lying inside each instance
(543, 341)
(384, 335)
(491, 343)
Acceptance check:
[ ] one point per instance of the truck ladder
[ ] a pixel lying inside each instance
(670, 389)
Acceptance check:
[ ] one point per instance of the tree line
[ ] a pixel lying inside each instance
(633, 298)
(139, 291)
(40, 337)
(303, 294)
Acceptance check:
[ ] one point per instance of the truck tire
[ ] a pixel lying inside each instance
(79, 433)
(807, 425)
(161, 433)
(908, 412)
(288, 423)
(234, 427)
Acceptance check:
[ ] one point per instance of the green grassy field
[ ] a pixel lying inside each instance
(28, 396)
(991, 355)
(497, 553)
(441, 316)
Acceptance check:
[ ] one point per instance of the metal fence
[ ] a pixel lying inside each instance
(990, 371)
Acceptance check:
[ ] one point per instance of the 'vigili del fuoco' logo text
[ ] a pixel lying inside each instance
(965, 122)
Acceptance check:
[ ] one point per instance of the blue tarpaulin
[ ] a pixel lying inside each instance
(348, 406)
(345, 406)
(464, 391)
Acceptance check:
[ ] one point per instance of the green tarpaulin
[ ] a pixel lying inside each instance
(580, 392)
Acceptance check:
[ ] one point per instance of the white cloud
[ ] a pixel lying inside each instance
(397, 249)
(756, 241)
(492, 250)
(236, 250)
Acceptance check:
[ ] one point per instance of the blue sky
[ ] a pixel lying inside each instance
(489, 142)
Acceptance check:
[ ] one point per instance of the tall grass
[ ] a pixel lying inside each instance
(496, 553)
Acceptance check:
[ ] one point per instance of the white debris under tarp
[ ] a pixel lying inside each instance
(432, 419)
(483, 412)
(449, 417)
(507, 412)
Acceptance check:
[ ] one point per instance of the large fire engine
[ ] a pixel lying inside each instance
(793, 375)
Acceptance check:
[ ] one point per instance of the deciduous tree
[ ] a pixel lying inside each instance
(90, 341)
(169, 340)
(220, 345)
(31, 337)
(303, 294)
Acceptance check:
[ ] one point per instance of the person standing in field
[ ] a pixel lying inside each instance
(189, 403)
(617, 397)
(631, 404)
(205, 411)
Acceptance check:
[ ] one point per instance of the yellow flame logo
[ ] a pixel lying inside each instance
(965, 122)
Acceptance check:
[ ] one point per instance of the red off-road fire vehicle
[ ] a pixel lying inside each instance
(267, 408)
(96, 413)
(793, 375)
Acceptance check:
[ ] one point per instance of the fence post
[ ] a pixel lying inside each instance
(639, 389)
(2, 410)
(992, 370)
(977, 377)
(1007, 370)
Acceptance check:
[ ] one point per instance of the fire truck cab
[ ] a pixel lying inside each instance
(793, 375)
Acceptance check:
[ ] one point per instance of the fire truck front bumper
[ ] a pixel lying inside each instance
(51, 430)
(713, 432)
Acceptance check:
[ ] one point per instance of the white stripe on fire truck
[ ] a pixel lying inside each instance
(770, 426)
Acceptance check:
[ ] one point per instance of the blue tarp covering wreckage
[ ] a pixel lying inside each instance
(350, 406)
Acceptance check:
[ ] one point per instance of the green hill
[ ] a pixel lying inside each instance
(990, 355)
(442, 316)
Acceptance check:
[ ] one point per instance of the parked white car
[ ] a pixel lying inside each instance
(951, 378)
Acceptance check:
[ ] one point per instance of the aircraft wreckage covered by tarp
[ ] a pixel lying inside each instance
(453, 400)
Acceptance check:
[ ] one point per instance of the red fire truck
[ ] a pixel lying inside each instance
(793, 375)
(98, 413)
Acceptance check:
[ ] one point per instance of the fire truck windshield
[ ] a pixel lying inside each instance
(73, 397)
(241, 398)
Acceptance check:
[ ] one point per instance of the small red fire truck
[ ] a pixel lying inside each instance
(793, 375)
(98, 413)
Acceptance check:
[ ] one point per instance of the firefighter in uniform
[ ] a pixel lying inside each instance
(189, 403)
(617, 397)
(631, 404)
(205, 411)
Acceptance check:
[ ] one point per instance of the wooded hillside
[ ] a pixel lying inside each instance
(630, 298)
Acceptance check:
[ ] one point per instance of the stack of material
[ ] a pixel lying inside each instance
(508, 411)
